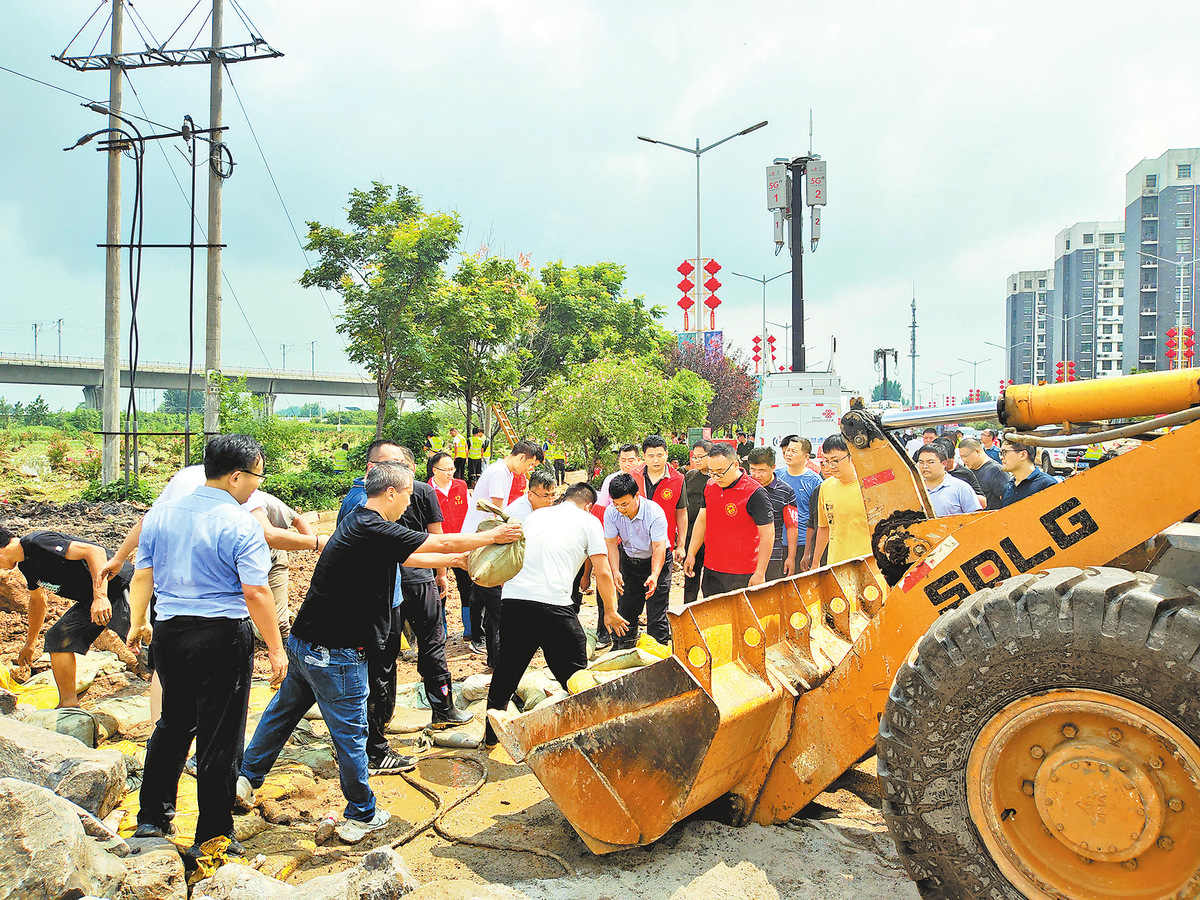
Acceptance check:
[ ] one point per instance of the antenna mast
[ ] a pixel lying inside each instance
(912, 353)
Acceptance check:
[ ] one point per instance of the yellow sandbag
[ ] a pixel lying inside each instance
(39, 695)
(589, 678)
(653, 647)
(617, 660)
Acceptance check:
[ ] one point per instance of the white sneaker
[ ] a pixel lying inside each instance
(352, 831)
(244, 794)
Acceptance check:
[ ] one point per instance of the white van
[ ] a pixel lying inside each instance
(805, 403)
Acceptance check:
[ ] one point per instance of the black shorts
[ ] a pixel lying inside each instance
(75, 631)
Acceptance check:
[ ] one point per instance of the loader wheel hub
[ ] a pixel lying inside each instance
(1083, 794)
(1098, 801)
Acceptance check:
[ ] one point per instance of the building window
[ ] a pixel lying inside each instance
(1121, 256)
(1183, 220)
(1014, 287)
(1106, 329)
(1088, 256)
(1089, 238)
(1151, 181)
(1110, 239)
(1086, 275)
(1041, 282)
(1028, 282)
(1108, 292)
(1183, 245)
(1183, 195)
(1184, 171)
(1109, 256)
(1121, 276)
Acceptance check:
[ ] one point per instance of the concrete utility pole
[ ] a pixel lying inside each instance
(212, 320)
(111, 382)
(912, 353)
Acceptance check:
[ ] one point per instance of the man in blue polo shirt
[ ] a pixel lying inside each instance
(640, 563)
(207, 560)
(1027, 478)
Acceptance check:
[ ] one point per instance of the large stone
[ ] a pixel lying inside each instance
(8, 702)
(155, 871)
(45, 853)
(91, 727)
(234, 881)
(94, 779)
(382, 875)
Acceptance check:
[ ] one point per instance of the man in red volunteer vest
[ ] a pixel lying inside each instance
(736, 525)
(658, 481)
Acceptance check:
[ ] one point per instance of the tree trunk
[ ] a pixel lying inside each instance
(470, 397)
(381, 389)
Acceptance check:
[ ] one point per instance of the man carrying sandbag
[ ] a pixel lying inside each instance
(537, 610)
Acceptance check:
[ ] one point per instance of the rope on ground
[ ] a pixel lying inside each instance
(440, 812)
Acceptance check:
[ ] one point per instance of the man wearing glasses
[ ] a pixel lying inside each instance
(948, 496)
(539, 495)
(206, 559)
(841, 513)
(1027, 478)
(799, 472)
(695, 480)
(736, 525)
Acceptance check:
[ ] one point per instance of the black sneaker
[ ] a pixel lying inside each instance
(149, 830)
(479, 648)
(392, 764)
(604, 643)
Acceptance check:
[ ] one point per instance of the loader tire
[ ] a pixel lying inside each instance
(1043, 739)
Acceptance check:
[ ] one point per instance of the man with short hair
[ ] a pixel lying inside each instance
(537, 601)
(807, 561)
(475, 447)
(783, 507)
(991, 447)
(1027, 478)
(627, 461)
(556, 453)
(948, 496)
(744, 446)
(735, 524)
(341, 459)
(695, 480)
(917, 443)
(206, 559)
(346, 612)
(950, 463)
(799, 472)
(635, 530)
(494, 485)
(458, 448)
(539, 495)
(841, 513)
(992, 479)
(657, 481)
(74, 569)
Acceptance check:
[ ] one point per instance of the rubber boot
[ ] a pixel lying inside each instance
(441, 700)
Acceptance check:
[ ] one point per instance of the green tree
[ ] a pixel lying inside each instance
(37, 412)
(478, 318)
(887, 391)
(734, 389)
(386, 267)
(174, 400)
(606, 401)
(584, 314)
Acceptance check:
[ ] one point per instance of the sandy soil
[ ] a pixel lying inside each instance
(838, 849)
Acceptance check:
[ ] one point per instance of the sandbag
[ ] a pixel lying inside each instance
(495, 564)
(650, 645)
(618, 660)
(475, 687)
(589, 678)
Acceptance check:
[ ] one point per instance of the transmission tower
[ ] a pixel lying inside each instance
(117, 63)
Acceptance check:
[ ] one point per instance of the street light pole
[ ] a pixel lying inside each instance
(1180, 323)
(950, 381)
(974, 364)
(764, 281)
(698, 152)
(312, 346)
(787, 337)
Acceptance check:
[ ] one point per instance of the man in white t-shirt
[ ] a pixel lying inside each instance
(538, 613)
(494, 485)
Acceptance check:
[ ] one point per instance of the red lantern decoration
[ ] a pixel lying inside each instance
(712, 302)
(712, 267)
(685, 285)
(685, 268)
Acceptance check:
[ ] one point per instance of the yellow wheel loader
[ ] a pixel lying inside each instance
(1029, 676)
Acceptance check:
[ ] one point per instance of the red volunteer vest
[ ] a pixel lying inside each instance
(454, 505)
(666, 495)
(730, 536)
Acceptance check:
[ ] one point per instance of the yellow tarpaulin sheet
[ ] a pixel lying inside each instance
(39, 695)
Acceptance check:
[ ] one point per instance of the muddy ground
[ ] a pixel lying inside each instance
(838, 848)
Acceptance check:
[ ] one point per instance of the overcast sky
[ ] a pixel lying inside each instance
(960, 137)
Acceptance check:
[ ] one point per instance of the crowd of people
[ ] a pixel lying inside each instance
(206, 570)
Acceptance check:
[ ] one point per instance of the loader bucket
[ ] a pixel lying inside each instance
(629, 758)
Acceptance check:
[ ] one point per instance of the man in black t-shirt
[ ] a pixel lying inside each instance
(73, 569)
(744, 446)
(347, 610)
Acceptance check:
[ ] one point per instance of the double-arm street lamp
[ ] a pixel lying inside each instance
(698, 152)
(764, 281)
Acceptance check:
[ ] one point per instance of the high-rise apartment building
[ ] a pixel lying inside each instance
(1160, 232)
(1029, 296)
(1085, 321)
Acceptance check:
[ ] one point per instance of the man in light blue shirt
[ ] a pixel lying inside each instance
(207, 560)
(640, 563)
(797, 473)
(949, 496)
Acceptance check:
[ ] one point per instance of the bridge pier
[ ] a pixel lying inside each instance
(265, 403)
(91, 396)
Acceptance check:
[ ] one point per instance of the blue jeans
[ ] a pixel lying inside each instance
(336, 678)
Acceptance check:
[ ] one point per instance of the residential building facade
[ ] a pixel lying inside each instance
(1086, 323)
(1030, 294)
